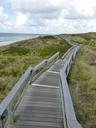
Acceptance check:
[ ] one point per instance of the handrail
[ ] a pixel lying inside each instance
(68, 109)
(68, 51)
(6, 106)
(53, 57)
(40, 65)
(46, 61)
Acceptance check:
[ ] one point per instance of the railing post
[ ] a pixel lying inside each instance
(7, 125)
(1, 123)
(10, 117)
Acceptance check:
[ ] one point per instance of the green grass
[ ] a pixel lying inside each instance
(16, 58)
(82, 80)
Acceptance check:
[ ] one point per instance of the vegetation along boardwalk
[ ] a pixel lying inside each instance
(41, 98)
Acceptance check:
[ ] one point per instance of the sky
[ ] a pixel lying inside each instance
(47, 16)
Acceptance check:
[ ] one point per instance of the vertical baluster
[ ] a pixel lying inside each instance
(1, 123)
(10, 117)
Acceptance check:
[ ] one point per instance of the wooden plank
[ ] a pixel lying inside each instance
(26, 126)
(44, 124)
(57, 67)
(48, 79)
(50, 71)
(41, 85)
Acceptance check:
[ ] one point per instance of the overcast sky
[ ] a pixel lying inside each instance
(47, 16)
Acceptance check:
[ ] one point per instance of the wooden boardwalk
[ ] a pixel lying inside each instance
(41, 106)
(46, 101)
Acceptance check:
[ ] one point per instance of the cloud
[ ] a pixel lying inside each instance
(37, 6)
(84, 7)
(21, 19)
(5, 22)
(52, 15)
(1, 1)
(40, 12)
(2, 14)
(56, 9)
(3, 17)
(52, 9)
(80, 9)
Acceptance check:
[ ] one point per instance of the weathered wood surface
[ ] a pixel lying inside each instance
(41, 106)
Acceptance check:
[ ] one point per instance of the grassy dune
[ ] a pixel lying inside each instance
(16, 58)
(82, 80)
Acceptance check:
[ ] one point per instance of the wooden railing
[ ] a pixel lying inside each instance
(69, 117)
